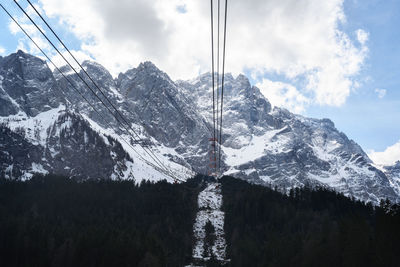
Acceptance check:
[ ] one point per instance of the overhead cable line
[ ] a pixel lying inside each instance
(212, 64)
(219, 82)
(222, 83)
(213, 139)
(217, 89)
(154, 157)
(76, 89)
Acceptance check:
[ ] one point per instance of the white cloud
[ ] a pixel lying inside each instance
(23, 42)
(298, 39)
(387, 157)
(380, 92)
(362, 36)
(79, 55)
(283, 95)
(2, 51)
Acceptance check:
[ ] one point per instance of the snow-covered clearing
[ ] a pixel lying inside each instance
(210, 203)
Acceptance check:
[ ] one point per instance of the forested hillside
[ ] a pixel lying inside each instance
(55, 221)
(307, 228)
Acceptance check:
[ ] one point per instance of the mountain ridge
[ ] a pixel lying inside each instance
(261, 144)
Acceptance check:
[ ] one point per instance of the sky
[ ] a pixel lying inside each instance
(337, 59)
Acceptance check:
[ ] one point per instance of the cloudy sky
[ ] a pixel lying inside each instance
(336, 59)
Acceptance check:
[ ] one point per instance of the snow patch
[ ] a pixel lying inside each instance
(35, 128)
(38, 168)
(270, 142)
(210, 203)
(141, 169)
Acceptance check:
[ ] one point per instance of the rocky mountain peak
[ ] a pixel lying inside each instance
(64, 69)
(28, 84)
(144, 68)
(98, 73)
(94, 67)
(25, 66)
(149, 66)
(148, 70)
(21, 56)
(327, 123)
(144, 80)
(21, 53)
(243, 80)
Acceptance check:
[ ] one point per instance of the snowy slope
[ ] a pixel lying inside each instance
(62, 135)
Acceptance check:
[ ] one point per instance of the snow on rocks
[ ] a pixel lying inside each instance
(210, 203)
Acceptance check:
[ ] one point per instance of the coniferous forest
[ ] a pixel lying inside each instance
(55, 221)
(307, 228)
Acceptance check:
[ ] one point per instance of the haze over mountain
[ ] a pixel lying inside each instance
(48, 128)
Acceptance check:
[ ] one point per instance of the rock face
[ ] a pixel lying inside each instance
(27, 85)
(44, 117)
(393, 173)
(166, 113)
(17, 155)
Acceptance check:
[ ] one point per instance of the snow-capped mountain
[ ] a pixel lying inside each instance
(45, 119)
(276, 147)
